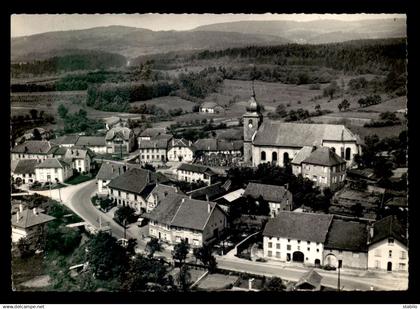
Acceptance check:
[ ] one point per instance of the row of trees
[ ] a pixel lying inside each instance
(370, 100)
(78, 121)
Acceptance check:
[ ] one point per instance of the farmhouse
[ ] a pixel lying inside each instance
(387, 243)
(178, 217)
(24, 170)
(28, 223)
(53, 170)
(159, 192)
(151, 133)
(279, 142)
(120, 140)
(180, 150)
(108, 171)
(39, 150)
(154, 150)
(321, 165)
(297, 237)
(211, 108)
(278, 197)
(194, 173)
(95, 143)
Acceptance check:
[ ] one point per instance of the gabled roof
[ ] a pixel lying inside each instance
(323, 156)
(312, 278)
(302, 155)
(161, 191)
(212, 192)
(122, 132)
(91, 141)
(274, 133)
(180, 211)
(347, 235)
(25, 166)
(78, 153)
(35, 147)
(210, 144)
(110, 170)
(133, 180)
(179, 143)
(53, 163)
(160, 143)
(196, 168)
(299, 225)
(152, 132)
(27, 218)
(65, 140)
(209, 105)
(388, 227)
(269, 193)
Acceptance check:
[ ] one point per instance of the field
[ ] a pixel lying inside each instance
(167, 103)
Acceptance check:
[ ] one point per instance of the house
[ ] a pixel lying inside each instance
(133, 187)
(81, 158)
(53, 170)
(151, 133)
(180, 150)
(24, 170)
(39, 150)
(211, 192)
(211, 108)
(296, 237)
(108, 171)
(230, 197)
(154, 150)
(178, 217)
(120, 140)
(210, 146)
(95, 143)
(194, 173)
(321, 165)
(346, 245)
(279, 142)
(159, 192)
(388, 245)
(310, 281)
(28, 223)
(278, 197)
(65, 140)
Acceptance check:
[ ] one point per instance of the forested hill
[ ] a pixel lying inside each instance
(364, 56)
(81, 60)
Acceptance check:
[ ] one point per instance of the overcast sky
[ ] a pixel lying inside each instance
(27, 24)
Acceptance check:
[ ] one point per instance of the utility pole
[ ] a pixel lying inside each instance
(338, 281)
(125, 227)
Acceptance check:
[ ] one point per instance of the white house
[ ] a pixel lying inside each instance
(39, 150)
(211, 108)
(95, 143)
(297, 237)
(24, 170)
(151, 133)
(178, 217)
(195, 173)
(53, 170)
(180, 150)
(120, 140)
(159, 192)
(154, 150)
(81, 158)
(108, 171)
(27, 223)
(278, 197)
(388, 245)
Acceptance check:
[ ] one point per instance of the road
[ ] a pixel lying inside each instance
(293, 273)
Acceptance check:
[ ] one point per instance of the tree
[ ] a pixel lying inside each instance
(318, 108)
(281, 110)
(331, 89)
(36, 135)
(153, 246)
(345, 104)
(180, 251)
(24, 247)
(274, 284)
(125, 213)
(357, 210)
(340, 106)
(62, 111)
(34, 114)
(184, 278)
(204, 254)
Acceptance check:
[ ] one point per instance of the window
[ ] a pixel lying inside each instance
(308, 242)
(348, 153)
(289, 247)
(340, 251)
(274, 156)
(390, 253)
(277, 254)
(288, 240)
(298, 241)
(309, 249)
(403, 255)
(269, 253)
(195, 242)
(317, 250)
(277, 246)
(263, 155)
(402, 266)
(270, 245)
(178, 239)
(391, 241)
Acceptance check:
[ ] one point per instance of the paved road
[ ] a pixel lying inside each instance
(348, 282)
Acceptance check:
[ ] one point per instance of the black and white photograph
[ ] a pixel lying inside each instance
(226, 152)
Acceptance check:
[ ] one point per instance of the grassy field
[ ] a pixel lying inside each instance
(167, 103)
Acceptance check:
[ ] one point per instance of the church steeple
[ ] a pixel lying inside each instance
(252, 103)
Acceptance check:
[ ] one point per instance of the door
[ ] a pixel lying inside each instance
(298, 257)
(389, 266)
(159, 235)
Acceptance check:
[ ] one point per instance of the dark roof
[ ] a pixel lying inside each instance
(155, 143)
(180, 143)
(273, 133)
(37, 147)
(78, 152)
(110, 170)
(210, 144)
(300, 226)
(269, 193)
(196, 168)
(347, 235)
(25, 166)
(302, 155)
(58, 151)
(389, 227)
(27, 218)
(311, 277)
(212, 192)
(323, 156)
(398, 201)
(53, 163)
(122, 132)
(65, 139)
(133, 180)
(178, 210)
(152, 132)
(91, 141)
(366, 173)
(161, 191)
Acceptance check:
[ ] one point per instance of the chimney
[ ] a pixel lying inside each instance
(250, 283)
(17, 216)
(208, 208)
(35, 211)
(20, 207)
(371, 231)
(112, 168)
(286, 186)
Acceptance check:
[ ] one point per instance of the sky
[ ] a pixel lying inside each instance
(28, 24)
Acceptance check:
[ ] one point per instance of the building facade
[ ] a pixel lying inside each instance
(120, 140)
(53, 170)
(180, 150)
(195, 173)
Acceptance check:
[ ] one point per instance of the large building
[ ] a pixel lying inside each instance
(279, 142)
(108, 171)
(39, 150)
(180, 150)
(53, 170)
(120, 140)
(195, 173)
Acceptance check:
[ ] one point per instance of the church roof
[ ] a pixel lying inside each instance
(274, 133)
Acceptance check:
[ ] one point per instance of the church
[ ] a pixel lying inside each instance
(279, 142)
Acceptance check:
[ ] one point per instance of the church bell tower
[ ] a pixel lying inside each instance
(252, 120)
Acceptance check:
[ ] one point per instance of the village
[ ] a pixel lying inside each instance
(285, 206)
